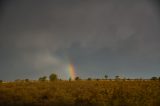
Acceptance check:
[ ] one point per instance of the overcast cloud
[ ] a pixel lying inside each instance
(113, 37)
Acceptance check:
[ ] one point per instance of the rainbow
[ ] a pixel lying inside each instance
(72, 72)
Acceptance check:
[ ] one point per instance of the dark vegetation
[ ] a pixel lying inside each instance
(89, 92)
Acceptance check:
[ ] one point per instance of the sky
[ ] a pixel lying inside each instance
(99, 37)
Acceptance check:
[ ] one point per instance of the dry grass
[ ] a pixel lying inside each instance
(81, 93)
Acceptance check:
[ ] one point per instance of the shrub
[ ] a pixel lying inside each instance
(44, 78)
(53, 77)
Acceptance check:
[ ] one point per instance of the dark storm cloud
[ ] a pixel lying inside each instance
(114, 37)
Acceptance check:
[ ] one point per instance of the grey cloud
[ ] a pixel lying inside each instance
(38, 34)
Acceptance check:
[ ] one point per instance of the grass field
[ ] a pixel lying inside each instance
(80, 93)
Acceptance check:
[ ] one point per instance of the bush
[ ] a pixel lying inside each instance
(53, 77)
(77, 78)
(43, 78)
(154, 78)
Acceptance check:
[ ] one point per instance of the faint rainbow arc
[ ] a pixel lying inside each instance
(72, 71)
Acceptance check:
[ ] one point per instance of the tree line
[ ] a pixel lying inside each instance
(54, 77)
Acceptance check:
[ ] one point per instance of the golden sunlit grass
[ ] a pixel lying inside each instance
(81, 93)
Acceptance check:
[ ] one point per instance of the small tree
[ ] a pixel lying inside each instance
(89, 79)
(26, 80)
(106, 77)
(154, 78)
(97, 79)
(77, 78)
(117, 77)
(128, 79)
(53, 77)
(44, 78)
